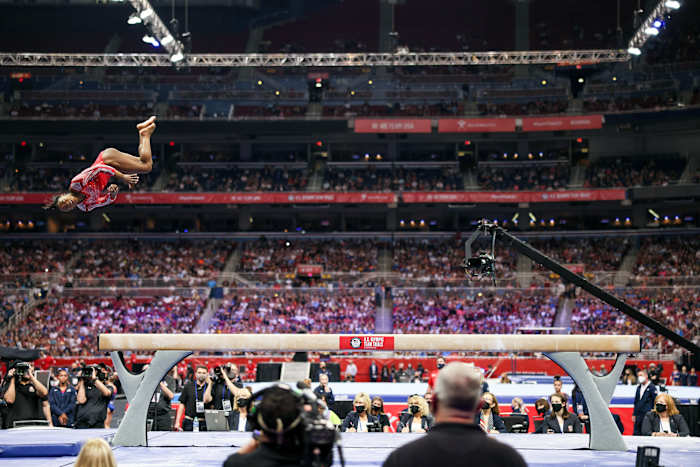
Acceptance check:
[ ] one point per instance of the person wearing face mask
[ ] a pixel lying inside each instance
(629, 378)
(378, 411)
(543, 410)
(490, 419)
(643, 400)
(664, 419)
(560, 420)
(417, 420)
(222, 392)
(359, 420)
(239, 417)
(192, 403)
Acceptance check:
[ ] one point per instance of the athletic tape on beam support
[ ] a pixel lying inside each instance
(397, 342)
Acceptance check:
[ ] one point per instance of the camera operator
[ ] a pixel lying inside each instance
(93, 398)
(25, 395)
(62, 400)
(280, 440)
(222, 393)
(192, 402)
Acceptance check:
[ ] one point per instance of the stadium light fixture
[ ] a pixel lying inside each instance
(651, 25)
(157, 30)
(134, 19)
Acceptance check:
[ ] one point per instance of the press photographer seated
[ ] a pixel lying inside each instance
(25, 395)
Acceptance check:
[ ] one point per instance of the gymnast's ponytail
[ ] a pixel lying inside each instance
(53, 202)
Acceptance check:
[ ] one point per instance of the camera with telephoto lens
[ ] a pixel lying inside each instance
(480, 265)
(87, 372)
(22, 369)
(218, 374)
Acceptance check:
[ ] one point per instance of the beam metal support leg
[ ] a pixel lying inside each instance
(597, 391)
(139, 389)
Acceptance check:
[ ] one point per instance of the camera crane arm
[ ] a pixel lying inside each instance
(547, 262)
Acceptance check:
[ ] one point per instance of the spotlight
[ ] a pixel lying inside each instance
(167, 40)
(146, 13)
(614, 78)
(652, 31)
(657, 24)
(370, 82)
(580, 80)
(277, 93)
(634, 51)
(150, 40)
(260, 82)
(673, 4)
(177, 57)
(133, 19)
(544, 82)
(352, 93)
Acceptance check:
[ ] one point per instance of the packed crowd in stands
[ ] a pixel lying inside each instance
(291, 311)
(204, 179)
(18, 257)
(41, 179)
(174, 263)
(523, 178)
(596, 254)
(286, 255)
(398, 179)
(70, 326)
(668, 257)
(499, 312)
(676, 308)
(629, 172)
(398, 108)
(622, 104)
(439, 262)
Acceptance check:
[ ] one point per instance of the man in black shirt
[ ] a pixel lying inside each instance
(223, 391)
(192, 402)
(266, 449)
(159, 408)
(456, 438)
(25, 395)
(93, 399)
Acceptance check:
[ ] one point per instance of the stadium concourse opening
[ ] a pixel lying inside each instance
(305, 213)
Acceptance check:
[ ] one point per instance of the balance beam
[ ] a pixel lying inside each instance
(397, 342)
(564, 350)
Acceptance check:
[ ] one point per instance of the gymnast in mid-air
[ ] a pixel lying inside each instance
(87, 189)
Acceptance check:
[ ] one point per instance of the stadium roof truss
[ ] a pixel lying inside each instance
(569, 57)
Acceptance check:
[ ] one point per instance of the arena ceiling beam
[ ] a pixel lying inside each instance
(569, 57)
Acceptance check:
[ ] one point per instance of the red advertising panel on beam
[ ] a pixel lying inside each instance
(392, 125)
(476, 125)
(581, 122)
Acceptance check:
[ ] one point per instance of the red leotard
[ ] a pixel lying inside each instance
(91, 182)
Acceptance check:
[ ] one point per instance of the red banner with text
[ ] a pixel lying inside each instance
(221, 198)
(309, 270)
(392, 125)
(366, 343)
(476, 125)
(345, 198)
(581, 122)
(513, 196)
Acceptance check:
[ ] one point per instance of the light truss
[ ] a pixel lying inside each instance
(321, 59)
(641, 36)
(152, 21)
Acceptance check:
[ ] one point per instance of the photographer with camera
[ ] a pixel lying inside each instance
(289, 432)
(159, 408)
(25, 395)
(223, 393)
(93, 398)
(62, 400)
